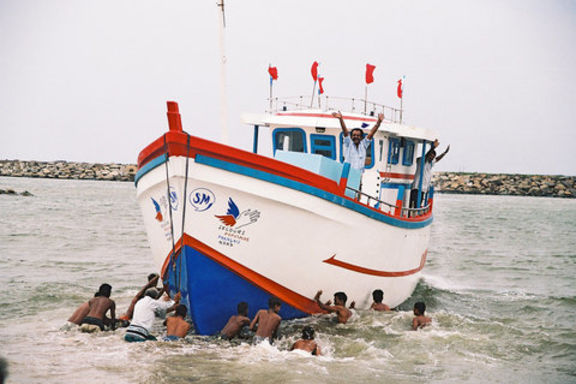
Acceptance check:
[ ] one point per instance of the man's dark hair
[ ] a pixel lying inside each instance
(151, 292)
(105, 290)
(357, 129)
(181, 310)
(378, 295)
(151, 276)
(273, 301)
(308, 333)
(341, 296)
(421, 307)
(243, 308)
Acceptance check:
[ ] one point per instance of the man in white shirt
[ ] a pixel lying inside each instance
(354, 145)
(145, 311)
(429, 160)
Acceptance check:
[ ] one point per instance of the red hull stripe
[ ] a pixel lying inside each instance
(397, 175)
(288, 296)
(374, 272)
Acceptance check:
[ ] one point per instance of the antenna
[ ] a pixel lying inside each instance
(223, 98)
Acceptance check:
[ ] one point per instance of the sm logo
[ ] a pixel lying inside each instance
(201, 199)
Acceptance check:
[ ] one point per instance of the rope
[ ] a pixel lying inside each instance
(183, 213)
(170, 207)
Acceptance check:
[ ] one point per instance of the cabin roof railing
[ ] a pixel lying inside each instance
(334, 103)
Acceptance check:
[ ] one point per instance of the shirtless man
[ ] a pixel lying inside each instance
(307, 343)
(99, 306)
(420, 320)
(268, 322)
(81, 312)
(378, 305)
(236, 322)
(342, 313)
(176, 326)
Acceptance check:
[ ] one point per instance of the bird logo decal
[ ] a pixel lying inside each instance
(235, 218)
(158, 210)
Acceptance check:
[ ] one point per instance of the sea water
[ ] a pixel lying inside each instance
(499, 283)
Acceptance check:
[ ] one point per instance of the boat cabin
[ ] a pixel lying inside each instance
(312, 139)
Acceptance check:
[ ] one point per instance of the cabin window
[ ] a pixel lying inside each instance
(408, 156)
(393, 151)
(324, 145)
(289, 139)
(369, 152)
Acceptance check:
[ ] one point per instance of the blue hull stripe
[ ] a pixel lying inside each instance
(148, 167)
(212, 292)
(279, 180)
(275, 179)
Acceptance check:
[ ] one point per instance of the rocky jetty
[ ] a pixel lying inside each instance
(505, 184)
(445, 182)
(68, 170)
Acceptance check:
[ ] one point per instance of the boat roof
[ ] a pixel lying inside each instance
(315, 118)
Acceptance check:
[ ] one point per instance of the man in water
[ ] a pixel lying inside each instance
(339, 307)
(354, 145)
(268, 322)
(420, 320)
(378, 305)
(429, 161)
(236, 322)
(145, 311)
(152, 282)
(96, 318)
(81, 312)
(176, 326)
(307, 343)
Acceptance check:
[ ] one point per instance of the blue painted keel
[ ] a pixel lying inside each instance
(211, 292)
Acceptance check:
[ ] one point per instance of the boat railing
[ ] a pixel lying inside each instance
(334, 103)
(388, 208)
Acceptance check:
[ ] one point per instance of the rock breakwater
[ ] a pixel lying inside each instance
(445, 182)
(68, 170)
(505, 184)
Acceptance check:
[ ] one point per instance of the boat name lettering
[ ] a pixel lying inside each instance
(201, 199)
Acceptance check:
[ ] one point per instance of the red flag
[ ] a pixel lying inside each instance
(314, 71)
(320, 89)
(369, 73)
(273, 71)
(399, 90)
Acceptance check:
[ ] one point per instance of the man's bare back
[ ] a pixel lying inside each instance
(234, 326)
(99, 306)
(177, 326)
(420, 322)
(268, 322)
(379, 307)
(307, 345)
(80, 313)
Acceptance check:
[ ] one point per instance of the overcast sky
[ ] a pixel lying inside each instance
(89, 80)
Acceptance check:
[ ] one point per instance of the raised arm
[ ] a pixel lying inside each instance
(338, 115)
(375, 127)
(322, 305)
(439, 157)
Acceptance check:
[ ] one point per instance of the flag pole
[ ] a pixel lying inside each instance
(365, 97)
(313, 91)
(401, 100)
(271, 81)
(271, 94)
(223, 101)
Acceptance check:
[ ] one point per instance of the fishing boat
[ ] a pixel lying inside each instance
(288, 218)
